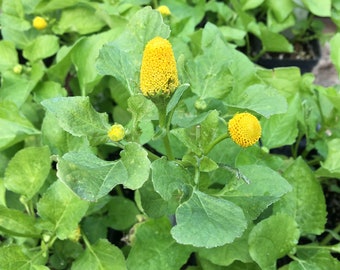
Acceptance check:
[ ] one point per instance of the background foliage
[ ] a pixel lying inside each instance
(72, 199)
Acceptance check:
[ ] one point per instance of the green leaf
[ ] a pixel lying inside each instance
(61, 209)
(322, 9)
(48, 89)
(16, 88)
(281, 10)
(286, 79)
(9, 55)
(176, 97)
(313, 257)
(331, 167)
(274, 42)
(92, 178)
(77, 116)
(271, 239)
(85, 54)
(58, 140)
(89, 176)
(207, 221)
(151, 203)
(42, 47)
(80, 19)
(227, 254)
(102, 255)
(198, 137)
(153, 247)
(266, 187)
(122, 58)
(335, 51)
(281, 129)
(14, 257)
(15, 223)
(137, 165)
(27, 170)
(122, 213)
(306, 202)
(14, 126)
(262, 99)
(209, 73)
(250, 4)
(168, 176)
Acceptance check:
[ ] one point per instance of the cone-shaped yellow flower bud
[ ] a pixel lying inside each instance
(116, 132)
(39, 23)
(164, 10)
(244, 129)
(158, 74)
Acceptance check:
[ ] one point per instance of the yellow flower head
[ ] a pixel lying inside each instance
(158, 73)
(116, 133)
(164, 10)
(39, 23)
(244, 129)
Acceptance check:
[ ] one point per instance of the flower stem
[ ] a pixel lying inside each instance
(215, 142)
(329, 236)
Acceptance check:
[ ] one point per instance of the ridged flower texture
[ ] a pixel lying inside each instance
(158, 73)
(39, 23)
(244, 129)
(116, 133)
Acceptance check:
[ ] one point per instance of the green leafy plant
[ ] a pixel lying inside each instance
(97, 173)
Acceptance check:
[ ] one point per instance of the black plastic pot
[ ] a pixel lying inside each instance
(306, 64)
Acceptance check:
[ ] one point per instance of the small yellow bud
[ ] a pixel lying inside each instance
(164, 10)
(17, 69)
(39, 23)
(116, 132)
(158, 74)
(244, 129)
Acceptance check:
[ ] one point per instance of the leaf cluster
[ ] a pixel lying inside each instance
(176, 192)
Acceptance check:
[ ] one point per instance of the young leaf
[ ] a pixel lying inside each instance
(271, 239)
(101, 255)
(77, 116)
(168, 176)
(306, 202)
(207, 221)
(42, 47)
(199, 136)
(281, 129)
(331, 167)
(137, 165)
(14, 126)
(27, 170)
(62, 209)
(15, 223)
(266, 187)
(153, 247)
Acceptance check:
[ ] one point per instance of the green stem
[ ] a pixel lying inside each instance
(163, 124)
(329, 236)
(215, 142)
